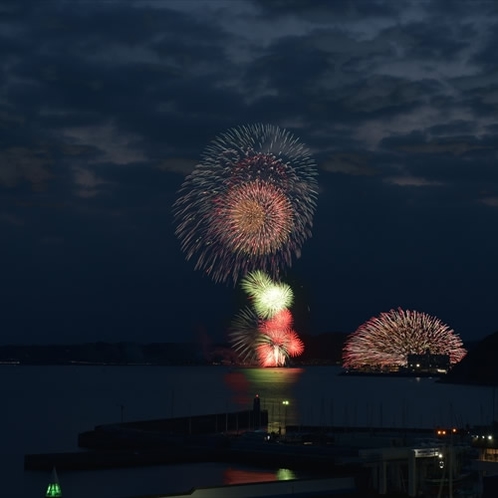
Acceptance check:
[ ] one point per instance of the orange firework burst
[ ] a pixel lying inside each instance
(254, 218)
(248, 205)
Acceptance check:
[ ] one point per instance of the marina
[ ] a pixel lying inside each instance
(380, 460)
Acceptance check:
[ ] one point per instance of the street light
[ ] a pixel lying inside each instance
(286, 404)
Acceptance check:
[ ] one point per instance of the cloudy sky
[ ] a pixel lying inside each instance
(106, 105)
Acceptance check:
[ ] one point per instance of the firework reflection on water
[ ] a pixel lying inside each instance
(275, 388)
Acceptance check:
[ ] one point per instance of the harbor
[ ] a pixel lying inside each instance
(379, 440)
(381, 460)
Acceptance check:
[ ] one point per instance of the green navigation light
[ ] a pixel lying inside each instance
(53, 489)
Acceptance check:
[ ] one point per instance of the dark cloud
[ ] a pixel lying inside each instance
(106, 106)
(21, 164)
(487, 54)
(11, 219)
(431, 43)
(348, 163)
(460, 10)
(456, 145)
(324, 11)
(179, 165)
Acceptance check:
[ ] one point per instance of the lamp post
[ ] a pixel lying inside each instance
(286, 404)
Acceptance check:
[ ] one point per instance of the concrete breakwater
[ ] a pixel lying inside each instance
(151, 442)
(108, 459)
(237, 437)
(179, 431)
(297, 457)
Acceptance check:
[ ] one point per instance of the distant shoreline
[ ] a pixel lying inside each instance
(149, 364)
(391, 374)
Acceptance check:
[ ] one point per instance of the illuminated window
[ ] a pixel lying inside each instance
(490, 454)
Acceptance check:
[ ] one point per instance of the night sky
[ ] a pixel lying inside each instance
(105, 107)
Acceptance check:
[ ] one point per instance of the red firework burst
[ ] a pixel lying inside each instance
(278, 341)
(386, 340)
(281, 320)
(269, 343)
(271, 350)
(295, 346)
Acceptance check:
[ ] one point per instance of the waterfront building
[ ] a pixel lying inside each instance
(428, 363)
(485, 441)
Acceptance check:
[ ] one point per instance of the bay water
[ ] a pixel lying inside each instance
(44, 408)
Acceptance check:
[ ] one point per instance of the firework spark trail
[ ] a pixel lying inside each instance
(275, 346)
(277, 341)
(254, 281)
(244, 333)
(271, 348)
(268, 297)
(387, 339)
(249, 204)
(279, 331)
(295, 347)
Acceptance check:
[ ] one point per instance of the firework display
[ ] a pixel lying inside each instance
(278, 341)
(276, 347)
(387, 339)
(270, 343)
(244, 333)
(282, 320)
(268, 297)
(248, 204)
(271, 349)
(263, 333)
